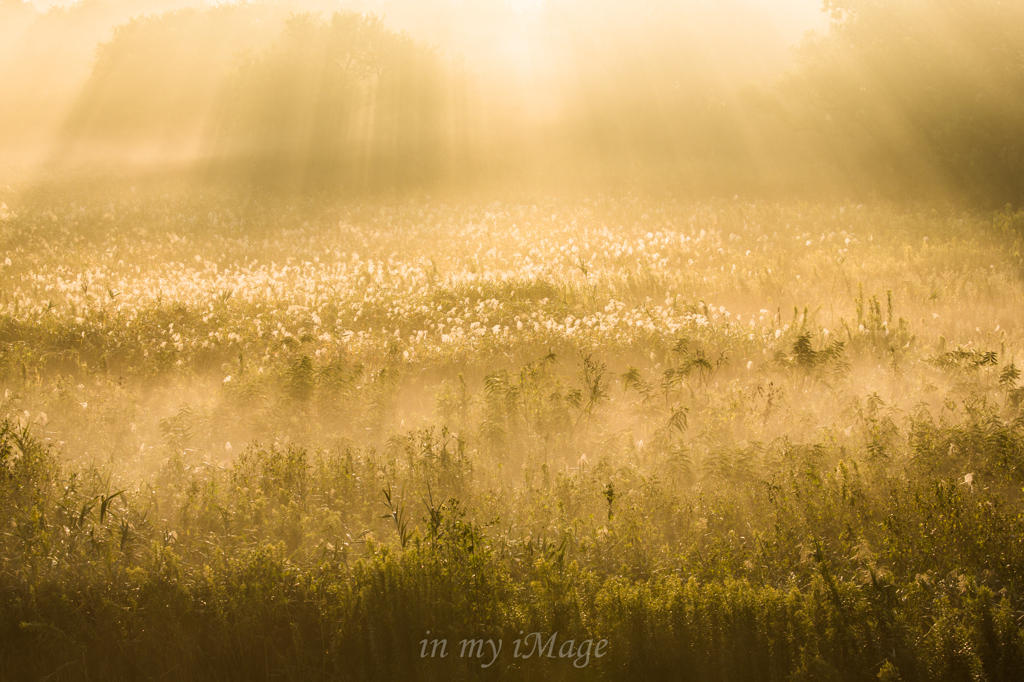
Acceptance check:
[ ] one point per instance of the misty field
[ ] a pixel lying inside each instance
(434, 340)
(260, 437)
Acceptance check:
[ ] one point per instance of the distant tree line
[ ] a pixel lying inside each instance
(899, 95)
(343, 94)
(912, 92)
(280, 98)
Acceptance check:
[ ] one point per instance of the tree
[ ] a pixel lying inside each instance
(918, 91)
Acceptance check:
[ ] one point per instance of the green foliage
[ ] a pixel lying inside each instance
(302, 434)
(834, 575)
(826, 360)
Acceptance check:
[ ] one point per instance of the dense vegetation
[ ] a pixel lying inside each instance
(255, 438)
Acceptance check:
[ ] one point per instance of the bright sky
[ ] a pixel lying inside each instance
(800, 15)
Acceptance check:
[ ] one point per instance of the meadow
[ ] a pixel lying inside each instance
(253, 436)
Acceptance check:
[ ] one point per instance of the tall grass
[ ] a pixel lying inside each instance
(252, 440)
